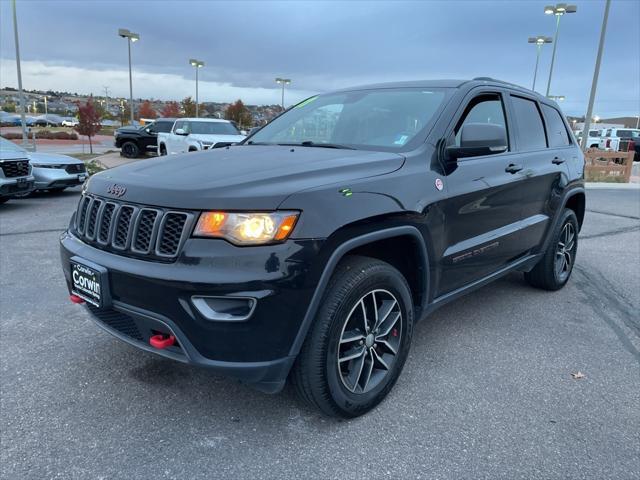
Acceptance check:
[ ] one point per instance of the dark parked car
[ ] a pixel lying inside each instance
(311, 250)
(135, 141)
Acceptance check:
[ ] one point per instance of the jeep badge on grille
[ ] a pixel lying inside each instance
(117, 190)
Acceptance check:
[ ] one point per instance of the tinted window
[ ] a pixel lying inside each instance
(162, 126)
(555, 127)
(530, 129)
(484, 109)
(629, 133)
(213, 128)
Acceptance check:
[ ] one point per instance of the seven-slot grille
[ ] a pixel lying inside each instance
(75, 168)
(133, 230)
(15, 168)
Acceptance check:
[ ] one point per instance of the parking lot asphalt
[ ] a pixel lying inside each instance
(487, 392)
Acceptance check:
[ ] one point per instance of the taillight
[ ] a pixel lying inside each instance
(631, 146)
(607, 143)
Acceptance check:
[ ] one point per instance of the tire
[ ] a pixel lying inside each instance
(358, 383)
(4, 199)
(192, 149)
(130, 150)
(555, 267)
(163, 150)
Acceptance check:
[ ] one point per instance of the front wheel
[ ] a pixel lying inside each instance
(555, 267)
(357, 347)
(130, 150)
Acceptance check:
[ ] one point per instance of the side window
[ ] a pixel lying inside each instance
(482, 109)
(530, 129)
(555, 127)
(179, 124)
(162, 127)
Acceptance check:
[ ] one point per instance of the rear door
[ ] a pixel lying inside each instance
(545, 147)
(483, 211)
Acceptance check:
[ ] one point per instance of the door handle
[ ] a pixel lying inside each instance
(557, 161)
(513, 168)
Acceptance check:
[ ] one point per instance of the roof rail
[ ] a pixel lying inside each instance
(489, 79)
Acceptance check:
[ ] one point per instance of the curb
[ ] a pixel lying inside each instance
(612, 186)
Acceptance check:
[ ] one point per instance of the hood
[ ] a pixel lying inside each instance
(239, 177)
(52, 159)
(216, 138)
(13, 155)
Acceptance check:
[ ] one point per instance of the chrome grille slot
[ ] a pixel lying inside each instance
(132, 230)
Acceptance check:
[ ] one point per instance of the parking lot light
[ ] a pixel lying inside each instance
(131, 37)
(539, 41)
(197, 64)
(557, 98)
(558, 10)
(283, 82)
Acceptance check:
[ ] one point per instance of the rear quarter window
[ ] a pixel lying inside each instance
(529, 126)
(558, 136)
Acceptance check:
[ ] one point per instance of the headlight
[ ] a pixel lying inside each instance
(46, 165)
(247, 228)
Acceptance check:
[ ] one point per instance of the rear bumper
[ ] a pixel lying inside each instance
(149, 297)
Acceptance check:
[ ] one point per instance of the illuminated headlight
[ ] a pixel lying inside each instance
(247, 228)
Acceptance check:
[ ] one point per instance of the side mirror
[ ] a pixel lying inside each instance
(180, 131)
(243, 132)
(478, 139)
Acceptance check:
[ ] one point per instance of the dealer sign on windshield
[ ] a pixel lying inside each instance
(85, 283)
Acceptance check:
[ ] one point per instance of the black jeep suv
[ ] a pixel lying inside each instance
(312, 249)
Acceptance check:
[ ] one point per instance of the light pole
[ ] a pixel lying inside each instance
(23, 108)
(539, 41)
(283, 82)
(596, 74)
(46, 111)
(558, 10)
(197, 64)
(131, 37)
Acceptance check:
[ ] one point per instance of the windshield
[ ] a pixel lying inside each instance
(629, 133)
(213, 128)
(385, 119)
(7, 145)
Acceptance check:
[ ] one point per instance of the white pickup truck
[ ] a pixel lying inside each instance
(196, 134)
(611, 137)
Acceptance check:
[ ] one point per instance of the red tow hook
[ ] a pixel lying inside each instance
(162, 341)
(76, 299)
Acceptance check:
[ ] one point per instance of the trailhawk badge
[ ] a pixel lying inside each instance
(117, 190)
(439, 184)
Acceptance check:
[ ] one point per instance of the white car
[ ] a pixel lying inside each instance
(594, 138)
(70, 122)
(52, 172)
(196, 134)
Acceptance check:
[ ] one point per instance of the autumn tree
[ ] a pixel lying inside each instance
(88, 120)
(189, 107)
(171, 110)
(146, 110)
(239, 113)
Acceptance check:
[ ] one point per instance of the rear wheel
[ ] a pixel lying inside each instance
(163, 150)
(360, 339)
(130, 150)
(555, 267)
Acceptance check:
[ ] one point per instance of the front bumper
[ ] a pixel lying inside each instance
(150, 297)
(13, 186)
(47, 178)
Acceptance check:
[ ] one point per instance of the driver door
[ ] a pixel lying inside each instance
(483, 211)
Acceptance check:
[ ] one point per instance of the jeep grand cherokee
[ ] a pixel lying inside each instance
(310, 251)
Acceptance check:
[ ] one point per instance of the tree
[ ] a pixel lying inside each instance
(171, 110)
(146, 110)
(189, 107)
(238, 113)
(88, 120)
(10, 107)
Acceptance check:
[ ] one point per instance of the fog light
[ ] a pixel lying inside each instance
(225, 309)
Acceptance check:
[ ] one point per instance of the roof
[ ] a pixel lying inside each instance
(445, 83)
(200, 119)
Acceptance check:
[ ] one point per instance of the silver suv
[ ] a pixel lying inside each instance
(16, 175)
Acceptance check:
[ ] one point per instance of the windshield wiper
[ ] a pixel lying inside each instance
(309, 143)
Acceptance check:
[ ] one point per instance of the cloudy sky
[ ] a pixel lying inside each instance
(74, 46)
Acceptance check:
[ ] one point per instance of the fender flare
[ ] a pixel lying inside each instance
(335, 258)
(569, 193)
